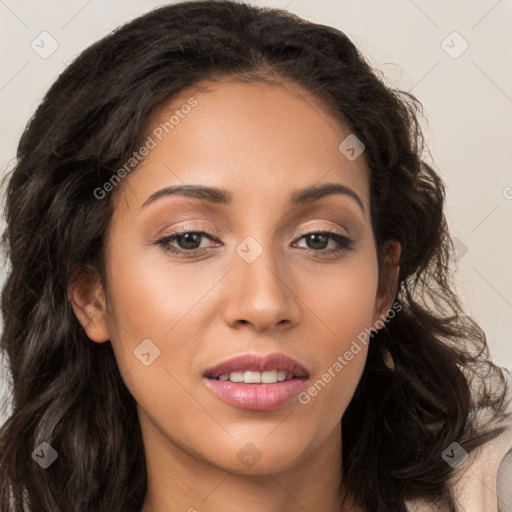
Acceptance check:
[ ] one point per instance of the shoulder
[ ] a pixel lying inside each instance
(504, 486)
(483, 482)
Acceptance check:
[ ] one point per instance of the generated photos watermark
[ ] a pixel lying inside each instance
(342, 360)
(151, 143)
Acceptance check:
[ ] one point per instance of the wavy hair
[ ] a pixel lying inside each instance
(90, 121)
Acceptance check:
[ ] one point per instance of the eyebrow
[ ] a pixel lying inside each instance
(222, 196)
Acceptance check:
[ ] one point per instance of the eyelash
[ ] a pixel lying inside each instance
(346, 244)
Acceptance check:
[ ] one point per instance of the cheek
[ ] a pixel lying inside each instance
(154, 321)
(151, 294)
(155, 309)
(340, 364)
(343, 298)
(343, 303)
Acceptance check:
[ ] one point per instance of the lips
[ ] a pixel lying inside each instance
(257, 383)
(254, 363)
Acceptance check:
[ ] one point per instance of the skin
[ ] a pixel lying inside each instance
(260, 142)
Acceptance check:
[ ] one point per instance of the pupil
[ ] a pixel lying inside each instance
(315, 238)
(190, 238)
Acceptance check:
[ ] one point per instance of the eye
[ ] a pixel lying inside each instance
(318, 241)
(186, 242)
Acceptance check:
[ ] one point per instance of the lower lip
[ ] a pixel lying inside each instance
(257, 397)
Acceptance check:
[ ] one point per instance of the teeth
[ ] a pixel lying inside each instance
(252, 377)
(269, 377)
(236, 377)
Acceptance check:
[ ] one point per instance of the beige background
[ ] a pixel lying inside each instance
(467, 97)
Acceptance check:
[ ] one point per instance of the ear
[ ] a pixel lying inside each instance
(87, 297)
(388, 281)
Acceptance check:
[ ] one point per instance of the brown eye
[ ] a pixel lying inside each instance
(184, 243)
(317, 242)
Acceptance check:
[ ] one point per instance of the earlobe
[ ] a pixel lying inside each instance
(86, 295)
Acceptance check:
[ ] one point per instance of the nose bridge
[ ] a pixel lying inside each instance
(258, 291)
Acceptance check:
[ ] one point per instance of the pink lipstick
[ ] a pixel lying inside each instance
(257, 383)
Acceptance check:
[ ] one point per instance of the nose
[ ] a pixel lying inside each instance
(260, 294)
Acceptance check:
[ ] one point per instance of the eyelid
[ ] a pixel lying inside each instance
(317, 229)
(186, 228)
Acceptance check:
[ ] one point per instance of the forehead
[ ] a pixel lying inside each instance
(254, 139)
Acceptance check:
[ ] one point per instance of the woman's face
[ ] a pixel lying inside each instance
(253, 285)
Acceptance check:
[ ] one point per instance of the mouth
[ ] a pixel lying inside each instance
(255, 377)
(256, 369)
(258, 383)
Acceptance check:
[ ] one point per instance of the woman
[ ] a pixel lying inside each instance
(229, 284)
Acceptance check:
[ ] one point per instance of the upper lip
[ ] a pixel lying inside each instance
(258, 363)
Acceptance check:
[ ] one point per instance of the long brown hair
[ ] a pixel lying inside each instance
(90, 121)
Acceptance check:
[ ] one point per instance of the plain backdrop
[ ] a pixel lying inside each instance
(453, 56)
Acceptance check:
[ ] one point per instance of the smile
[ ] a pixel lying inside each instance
(257, 383)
